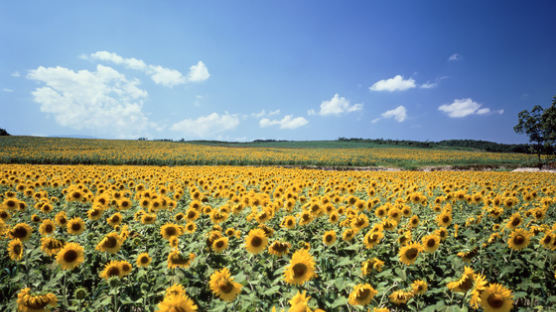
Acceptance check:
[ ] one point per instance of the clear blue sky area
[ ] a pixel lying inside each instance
(300, 70)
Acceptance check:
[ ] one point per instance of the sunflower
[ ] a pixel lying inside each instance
(348, 234)
(95, 213)
(514, 221)
(478, 286)
(190, 227)
(75, 226)
(444, 219)
(329, 238)
(170, 229)
(431, 242)
(413, 222)
(112, 242)
(220, 244)
(372, 239)
(4, 214)
(519, 239)
(301, 268)
(148, 218)
(177, 260)
(51, 246)
(175, 290)
(115, 219)
(47, 227)
(464, 283)
(15, 249)
(143, 260)
(548, 240)
(442, 233)
(362, 294)
(371, 264)
(111, 269)
(70, 256)
(60, 218)
(126, 267)
(400, 297)
(35, 303)
(288, 222)
(173, 303)
(222, 285)
(299, 302)
(256, 241)
(419, 287)
(408, 253)
(279, 248)
(21, 231)
(496, 298)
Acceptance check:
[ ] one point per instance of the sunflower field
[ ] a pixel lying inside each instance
(141, 238)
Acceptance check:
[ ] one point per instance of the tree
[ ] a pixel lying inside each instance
(530, 123)
(3, 132)
(540, 126)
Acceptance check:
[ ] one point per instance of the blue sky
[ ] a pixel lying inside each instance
(244, 70)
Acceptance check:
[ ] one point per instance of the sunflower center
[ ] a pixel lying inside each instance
(299, 269)
(76, 226)
(328, 238)
(495, 301)
(226, 286)
(467, 283)
(17, 249)
(126, 267)
(219, 244)
(412, 253)
(519, 239)
(20, 232)
(110, 242)
(171, 231)
(37, 303)
(363, 294)
(70, 256)
(446, 219)
(113, 271)
(48, 228)
(256, 241)
(144, 259)
(516, 221)
(431, 243)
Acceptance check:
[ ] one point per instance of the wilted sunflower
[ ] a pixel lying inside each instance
(75, 226)
(519, 239)
(408, 253)
(256, 241)
(496, 298)
(143, 260)
(220, 244)
(279, 248)
(15, 249)
(362, 294)
(70, 256)
(47, 227)
(371, 264)
(21, 231)
(419, 287)
(112, 269)
(51, 246)
(372, 239)
(222, 284)
(329, 238)
(112, 242)
(177, 260)
(170, 229)
(431, 242)
(35, 303)
(400, 297)
(301, 268)
(464, 283)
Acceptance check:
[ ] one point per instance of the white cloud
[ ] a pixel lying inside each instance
(288, 122)
(103, 101)
(399, 114)
(198, 72)
(429, 85)
(460, 108)
(397, 83)
(337, 105)
(8, 90)
(16, 74)
(454, 57)
(207, 126)
(160, 75)
(264, 113)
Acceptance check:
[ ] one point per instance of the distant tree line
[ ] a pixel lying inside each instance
(3, 132)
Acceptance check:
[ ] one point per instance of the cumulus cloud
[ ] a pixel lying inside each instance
(103, 101)
(399, 114)
(288, 122)
(337, 105)
(454, 57)
(397, 83)
(160, 75)
(264, 113)
(460, 108)
(207, 126)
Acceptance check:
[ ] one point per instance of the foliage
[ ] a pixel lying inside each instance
(3, 132)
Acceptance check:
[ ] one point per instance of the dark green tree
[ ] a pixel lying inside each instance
(3, 132)
(530, 123)
(549, 127)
